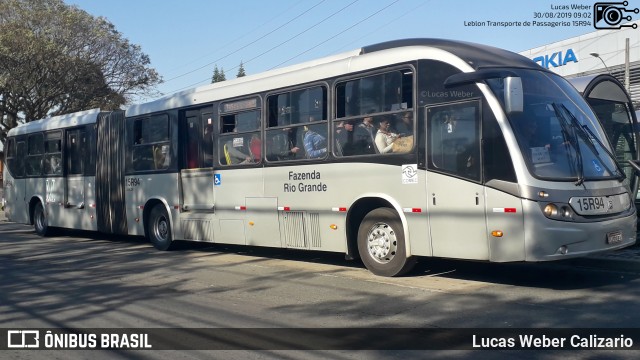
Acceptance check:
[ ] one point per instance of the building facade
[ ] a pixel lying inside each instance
(597, 52)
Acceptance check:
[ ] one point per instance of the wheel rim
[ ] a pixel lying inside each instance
(382, 243)
(161, 229)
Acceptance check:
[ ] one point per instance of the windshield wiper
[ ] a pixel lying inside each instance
(588, 136)
(573, 140)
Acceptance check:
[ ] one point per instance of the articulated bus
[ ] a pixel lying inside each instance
(405, 149)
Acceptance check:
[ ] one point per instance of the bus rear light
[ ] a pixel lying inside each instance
(497, 233)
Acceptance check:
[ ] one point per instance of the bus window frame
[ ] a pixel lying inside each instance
(48, 155)
(31, 157)
(13, 160)
(297, 123)
(157, 164)
(356, 120)
(223, 135)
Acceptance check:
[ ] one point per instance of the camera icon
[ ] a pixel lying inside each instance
(609, 15)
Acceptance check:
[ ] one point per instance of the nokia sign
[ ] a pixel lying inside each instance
(556, 59)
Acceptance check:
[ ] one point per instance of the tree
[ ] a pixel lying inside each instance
(57, 59)
(218, 75)
(241, 72)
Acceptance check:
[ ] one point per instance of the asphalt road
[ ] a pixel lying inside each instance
(84, 280)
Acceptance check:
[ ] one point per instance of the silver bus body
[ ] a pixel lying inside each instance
(416, 203)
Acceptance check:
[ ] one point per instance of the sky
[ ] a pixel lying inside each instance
(185, 39)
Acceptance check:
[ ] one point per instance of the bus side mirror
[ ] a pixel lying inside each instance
(513, 95)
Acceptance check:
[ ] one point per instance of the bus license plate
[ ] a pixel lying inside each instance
(593, 205)
(614, 237)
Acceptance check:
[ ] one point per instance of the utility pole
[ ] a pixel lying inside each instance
(626, 65)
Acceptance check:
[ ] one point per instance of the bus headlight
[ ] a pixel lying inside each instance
(551, 210)
(558, 211)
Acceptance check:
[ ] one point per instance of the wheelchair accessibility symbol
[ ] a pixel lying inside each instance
(217, 179)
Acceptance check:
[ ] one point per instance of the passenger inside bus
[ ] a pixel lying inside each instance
(315, 144)
(344, 138)
(234, 151)
(282, 145)
(255, 147)
(385, 137)
(405, 124)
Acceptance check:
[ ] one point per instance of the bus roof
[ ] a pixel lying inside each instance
(465, 55)
(57, 122)
(469, 57)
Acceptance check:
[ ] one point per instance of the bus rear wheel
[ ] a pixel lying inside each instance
(381, 243)
(159, 228)
(40, 221)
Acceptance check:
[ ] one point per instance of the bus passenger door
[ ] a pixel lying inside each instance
(456, 200)
(17, 209)
(196, 175)
(74, 181)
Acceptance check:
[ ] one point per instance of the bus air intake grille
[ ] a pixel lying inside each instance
(301, 230)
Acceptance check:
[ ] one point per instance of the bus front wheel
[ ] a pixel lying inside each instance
(159, 228)
(40, 222)
(381, 243)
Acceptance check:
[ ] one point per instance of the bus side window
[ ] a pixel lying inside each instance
(53, 150)
(15, 163)
(297, 125)
(362, 104)
(240, 141)
(35, 145)
(151, 148)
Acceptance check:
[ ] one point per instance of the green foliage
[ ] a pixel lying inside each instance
(218, 75)
(57, 59)
(241, 72)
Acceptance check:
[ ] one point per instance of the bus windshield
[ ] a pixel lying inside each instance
(558, 134)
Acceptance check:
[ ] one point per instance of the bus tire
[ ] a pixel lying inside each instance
(381, 243)
(159, 228)
(40, 221)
